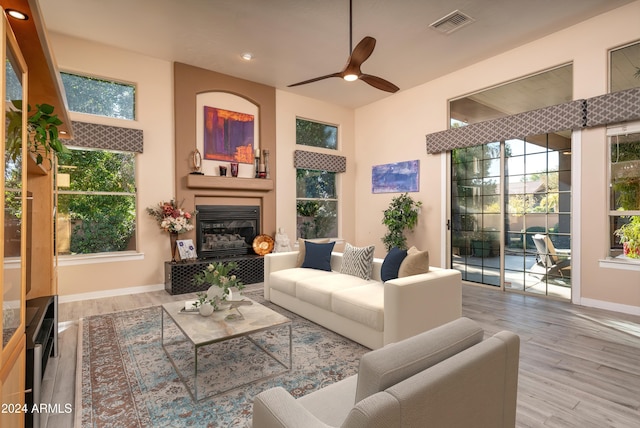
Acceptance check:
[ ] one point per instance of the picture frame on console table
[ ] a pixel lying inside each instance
(186, 249)
(227, 131)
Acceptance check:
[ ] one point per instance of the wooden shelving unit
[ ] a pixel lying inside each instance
(35, 276)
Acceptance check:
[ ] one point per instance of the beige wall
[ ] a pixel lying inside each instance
(154, 167)
(403, 120)
(288, 107)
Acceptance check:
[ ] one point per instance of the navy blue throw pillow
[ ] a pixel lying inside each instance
(391, 264)
(318, 256)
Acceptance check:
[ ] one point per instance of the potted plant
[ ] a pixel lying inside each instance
(42, 131)
(629, 235)
(220, 280)
(401, 215)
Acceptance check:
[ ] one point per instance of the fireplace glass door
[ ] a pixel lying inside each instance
(224, 231)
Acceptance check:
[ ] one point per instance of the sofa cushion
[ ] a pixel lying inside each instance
(318, 256)
(302, 249)
(318, 289)
(357, 261)
(395, 362)
(391, 264)
(364, 304)
(285, 280)
(415, 263)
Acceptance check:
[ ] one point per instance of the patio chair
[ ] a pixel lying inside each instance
(553, 261)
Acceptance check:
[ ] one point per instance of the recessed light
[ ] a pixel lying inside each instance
(17, 14)
(247, 56)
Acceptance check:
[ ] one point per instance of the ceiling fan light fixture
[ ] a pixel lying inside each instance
(350, 77)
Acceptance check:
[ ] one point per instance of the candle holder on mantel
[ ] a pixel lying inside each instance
(267, 172)
(257, 163)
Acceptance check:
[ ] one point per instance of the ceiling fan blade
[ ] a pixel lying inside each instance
(316, 79)
(362, 51)
(379, 83)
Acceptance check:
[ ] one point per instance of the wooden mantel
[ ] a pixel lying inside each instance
(197, 181)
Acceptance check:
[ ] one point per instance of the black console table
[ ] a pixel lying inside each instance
(178, 277)
(42, 343)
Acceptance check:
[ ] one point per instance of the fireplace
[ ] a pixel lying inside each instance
(226, 230)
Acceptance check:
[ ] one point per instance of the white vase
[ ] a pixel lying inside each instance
(215, 291)
(206, 309)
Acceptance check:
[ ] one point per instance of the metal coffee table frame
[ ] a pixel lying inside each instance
(202, 331)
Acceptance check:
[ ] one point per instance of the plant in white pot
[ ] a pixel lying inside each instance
(221, 281)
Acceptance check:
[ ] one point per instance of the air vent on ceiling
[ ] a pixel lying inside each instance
(452, 22)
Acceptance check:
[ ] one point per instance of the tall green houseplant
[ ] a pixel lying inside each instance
(401, 215)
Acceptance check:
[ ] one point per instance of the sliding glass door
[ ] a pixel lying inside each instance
(511, 214)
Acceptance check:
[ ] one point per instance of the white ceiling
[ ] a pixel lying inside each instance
(295, 40)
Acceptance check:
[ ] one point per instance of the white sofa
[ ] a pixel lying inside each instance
(368, 312)
(446, 377)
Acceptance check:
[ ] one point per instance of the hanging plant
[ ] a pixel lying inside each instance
(42, 131)
(401, 215)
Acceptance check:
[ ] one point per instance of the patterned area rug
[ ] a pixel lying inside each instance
(127, 380)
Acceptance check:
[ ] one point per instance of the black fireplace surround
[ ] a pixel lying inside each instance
(226, 230)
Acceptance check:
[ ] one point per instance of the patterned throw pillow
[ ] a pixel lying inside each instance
(357, 261)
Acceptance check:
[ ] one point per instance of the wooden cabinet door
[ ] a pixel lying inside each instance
(12, 215)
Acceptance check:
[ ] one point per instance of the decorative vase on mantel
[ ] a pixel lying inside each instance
(173, 237)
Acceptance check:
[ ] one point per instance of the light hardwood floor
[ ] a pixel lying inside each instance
(579, 367)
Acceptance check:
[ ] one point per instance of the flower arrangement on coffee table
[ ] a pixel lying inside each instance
(218, 276)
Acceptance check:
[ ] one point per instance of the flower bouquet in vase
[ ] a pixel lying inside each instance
(173, 219)
(221, 283)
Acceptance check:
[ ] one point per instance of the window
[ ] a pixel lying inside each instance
(624, 185)
(96, 208)
(96, 202)
(316, 187)
(544, 89)
(316, 134)
(100, 97)
(625, 67)
(316, 204)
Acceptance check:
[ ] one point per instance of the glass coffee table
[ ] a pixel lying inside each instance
(218, 353)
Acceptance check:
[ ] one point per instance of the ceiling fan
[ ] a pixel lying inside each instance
(357, 56)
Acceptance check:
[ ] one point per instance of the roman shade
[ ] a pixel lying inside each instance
(303, 159)
(617, 107)
(597, 111)
(96, 136)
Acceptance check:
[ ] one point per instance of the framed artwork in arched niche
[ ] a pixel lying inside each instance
(227, 131)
